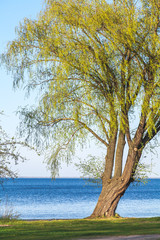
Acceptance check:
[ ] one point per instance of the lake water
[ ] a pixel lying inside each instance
(43, 198)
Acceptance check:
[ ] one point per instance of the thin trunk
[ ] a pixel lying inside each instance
(119, 155)
(109, 160)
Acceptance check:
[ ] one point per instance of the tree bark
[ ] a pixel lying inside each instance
(109, 159)
(111, 193)
(119, 154)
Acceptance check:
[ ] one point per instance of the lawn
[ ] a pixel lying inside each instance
(72, 229)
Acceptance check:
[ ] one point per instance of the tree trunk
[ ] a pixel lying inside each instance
(111, 193)
(109, 160)
(119, 155)
(113, 189)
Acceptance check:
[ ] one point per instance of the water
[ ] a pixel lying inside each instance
(71, 198)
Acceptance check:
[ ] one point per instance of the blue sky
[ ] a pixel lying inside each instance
(11, 13)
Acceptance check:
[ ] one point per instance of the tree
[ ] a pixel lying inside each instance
(8, 151)
(97, 67)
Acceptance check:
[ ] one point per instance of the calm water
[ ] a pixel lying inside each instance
(73, 198)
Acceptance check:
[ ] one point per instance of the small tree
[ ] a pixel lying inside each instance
(97, 66)
(8, 153)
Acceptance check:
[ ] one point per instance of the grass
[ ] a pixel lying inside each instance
(72, 229)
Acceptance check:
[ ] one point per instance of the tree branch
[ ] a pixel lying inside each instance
(55, 121)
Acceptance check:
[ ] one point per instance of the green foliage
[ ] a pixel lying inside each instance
(141, 173)
(92, 62)
(92, 169)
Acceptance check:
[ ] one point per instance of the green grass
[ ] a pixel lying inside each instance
(72, 229)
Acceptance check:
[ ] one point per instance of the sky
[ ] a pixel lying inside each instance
(11, 13)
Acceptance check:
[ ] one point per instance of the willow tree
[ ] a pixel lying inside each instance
(96, 65)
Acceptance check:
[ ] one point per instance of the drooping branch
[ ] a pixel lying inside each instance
(55, 121)
(148, 137)
(65, 145)
(97, 113)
